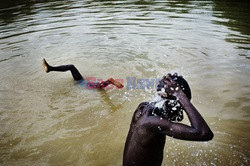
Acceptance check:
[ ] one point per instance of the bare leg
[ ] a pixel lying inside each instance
(63, 68)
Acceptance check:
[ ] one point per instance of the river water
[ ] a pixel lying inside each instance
(48, 119)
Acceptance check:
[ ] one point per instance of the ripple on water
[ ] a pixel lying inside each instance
(49, 119)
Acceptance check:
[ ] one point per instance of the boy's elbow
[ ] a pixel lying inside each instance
(207, 136)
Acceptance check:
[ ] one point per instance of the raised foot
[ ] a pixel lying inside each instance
(46, 66)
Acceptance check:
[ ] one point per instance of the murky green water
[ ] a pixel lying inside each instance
(48, 119)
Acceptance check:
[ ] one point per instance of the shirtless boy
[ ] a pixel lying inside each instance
(151, 124)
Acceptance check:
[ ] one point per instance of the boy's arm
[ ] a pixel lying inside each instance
(198, 131)
(103, 84)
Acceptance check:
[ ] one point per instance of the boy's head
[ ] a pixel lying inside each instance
(171, 109)
(181, 82)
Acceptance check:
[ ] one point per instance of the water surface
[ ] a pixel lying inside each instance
(48, 119)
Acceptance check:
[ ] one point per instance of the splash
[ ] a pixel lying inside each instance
(166, 108)
(158, 101)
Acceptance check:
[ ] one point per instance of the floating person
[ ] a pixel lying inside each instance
(153, 121)
(77, 76)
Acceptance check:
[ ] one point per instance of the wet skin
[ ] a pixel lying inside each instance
(147, 134)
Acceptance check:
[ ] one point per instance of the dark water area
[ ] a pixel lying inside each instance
(48, 119)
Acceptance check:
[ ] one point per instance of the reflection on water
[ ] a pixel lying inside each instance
(50, 119)
(234, 15)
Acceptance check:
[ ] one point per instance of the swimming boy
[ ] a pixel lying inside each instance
(152, 122)
(77, 76)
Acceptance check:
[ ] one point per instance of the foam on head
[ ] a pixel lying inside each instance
(170, 108)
